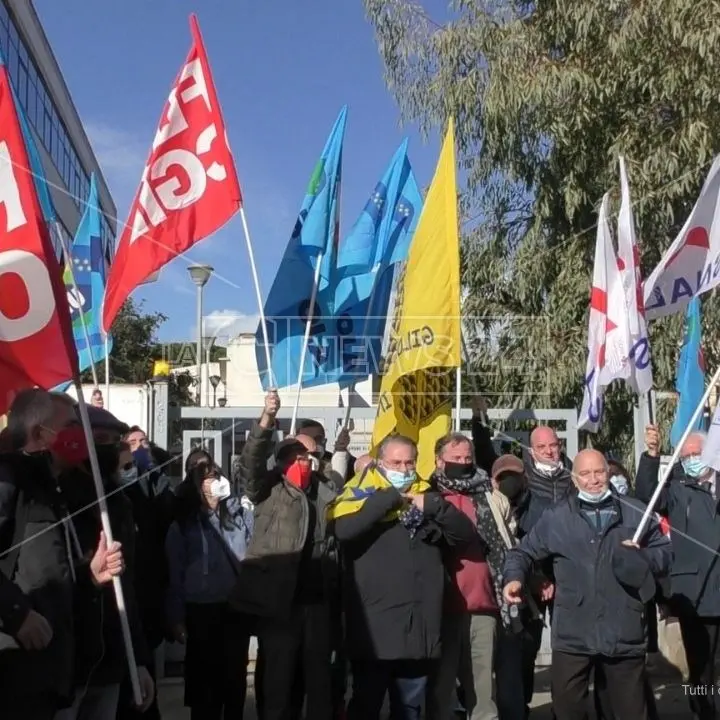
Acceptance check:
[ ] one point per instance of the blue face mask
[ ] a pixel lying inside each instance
(143, 459)
(620, 484)
(594, 498)
(694, 467)
(128, 477)
(400, 480)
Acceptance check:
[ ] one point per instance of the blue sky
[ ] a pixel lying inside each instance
(283, 69)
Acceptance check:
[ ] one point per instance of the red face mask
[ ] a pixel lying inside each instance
(299, 474)
(70, 445)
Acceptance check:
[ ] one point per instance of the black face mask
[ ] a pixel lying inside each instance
(511, 485)
(459, 471)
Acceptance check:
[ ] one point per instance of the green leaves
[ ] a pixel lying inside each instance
(545, 96)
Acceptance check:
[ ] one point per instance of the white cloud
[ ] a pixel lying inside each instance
(225, 325)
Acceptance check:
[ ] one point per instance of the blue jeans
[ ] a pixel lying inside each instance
(405, 681)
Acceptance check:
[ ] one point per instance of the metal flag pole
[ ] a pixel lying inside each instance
(105, 520)
(258, 294)
(107, 371)
(306, 340)
(674, 458)
(78, 298)
(458, 395)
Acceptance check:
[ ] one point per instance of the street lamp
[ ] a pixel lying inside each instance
(215, 380)
(208, 343)
(199, 274)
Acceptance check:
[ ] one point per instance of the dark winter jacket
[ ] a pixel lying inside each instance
(544, 491)
(695, 531)
(269, 577)
(99, 648)
(41, 578)
(393, 582)
(601, 586)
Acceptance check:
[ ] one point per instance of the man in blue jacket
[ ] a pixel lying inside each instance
(602, 582)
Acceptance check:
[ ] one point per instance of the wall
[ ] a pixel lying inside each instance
(128, 403)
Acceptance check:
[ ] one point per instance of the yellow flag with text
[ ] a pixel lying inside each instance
(425, 344)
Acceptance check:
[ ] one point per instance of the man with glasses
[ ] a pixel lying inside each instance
(603, 581)
(690, 500)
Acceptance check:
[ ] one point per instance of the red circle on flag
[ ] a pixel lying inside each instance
(14, 299)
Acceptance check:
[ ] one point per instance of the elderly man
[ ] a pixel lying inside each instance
(603, 582)
(690, 500)
(289, 570)
(392, 531)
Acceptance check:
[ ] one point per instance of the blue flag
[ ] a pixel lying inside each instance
(347, 348)
(314, 239)
(89, 270)
(690, 377)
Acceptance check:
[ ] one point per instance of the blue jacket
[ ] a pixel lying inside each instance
(695, 530)
(201, 556)
(595, 613)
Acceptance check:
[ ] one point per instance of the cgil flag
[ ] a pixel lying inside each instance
(690, 375)
(425, 343)
(88, 264)
(689, 266)
(350, 348)
(640, 367)
(607, 337)
(36, 347)
(189, 188)
(309, 259)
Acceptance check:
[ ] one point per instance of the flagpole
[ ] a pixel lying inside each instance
(107, 530)
(306, 340)
(258, 294)
(674, 458)
(458, 395)
(107, 371)
(86, 335)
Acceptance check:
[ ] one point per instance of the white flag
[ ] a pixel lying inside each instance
(607, 329)
(711, 451)
(640, 377)
(691, 265)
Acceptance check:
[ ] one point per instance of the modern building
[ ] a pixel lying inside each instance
(68, 158)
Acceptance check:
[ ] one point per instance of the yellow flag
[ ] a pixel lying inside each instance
(425, 345)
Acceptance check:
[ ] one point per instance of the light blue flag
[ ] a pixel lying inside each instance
(315, 237)
(89, 270)
(347, 348)
(690, 376)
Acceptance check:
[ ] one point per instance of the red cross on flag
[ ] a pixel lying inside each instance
(607, 330)
(640, 375)
(691, 265)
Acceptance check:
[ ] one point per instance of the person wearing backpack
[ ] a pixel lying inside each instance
(204, 547)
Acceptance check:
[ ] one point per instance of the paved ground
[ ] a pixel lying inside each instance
(668, 691)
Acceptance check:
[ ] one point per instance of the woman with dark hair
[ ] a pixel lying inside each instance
(206, 542)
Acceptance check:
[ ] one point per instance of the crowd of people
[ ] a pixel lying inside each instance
(364, 584)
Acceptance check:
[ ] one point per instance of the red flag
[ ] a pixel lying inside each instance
(189, 188)
(36, 340)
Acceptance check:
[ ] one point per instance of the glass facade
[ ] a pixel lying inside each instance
(40, 109)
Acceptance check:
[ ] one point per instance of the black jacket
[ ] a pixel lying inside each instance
(99, 648)
(394, 583)
(695, 530)
(41, 579)
(545, 492)
(153, 513)
(595, 613)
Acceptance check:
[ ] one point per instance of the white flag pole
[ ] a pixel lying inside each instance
(105, 520)
(258, 294)
(676, 454)
(306, 340)
(78, 299)
(107, 371)
(458, 395)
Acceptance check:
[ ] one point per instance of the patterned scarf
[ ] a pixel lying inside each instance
(477, 486)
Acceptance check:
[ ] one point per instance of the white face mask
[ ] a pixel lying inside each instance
(220, 489)
(546, 468)
(620, 484)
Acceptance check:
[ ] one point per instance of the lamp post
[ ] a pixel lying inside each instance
(199, 274)
(215, 381)
(208, 343)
